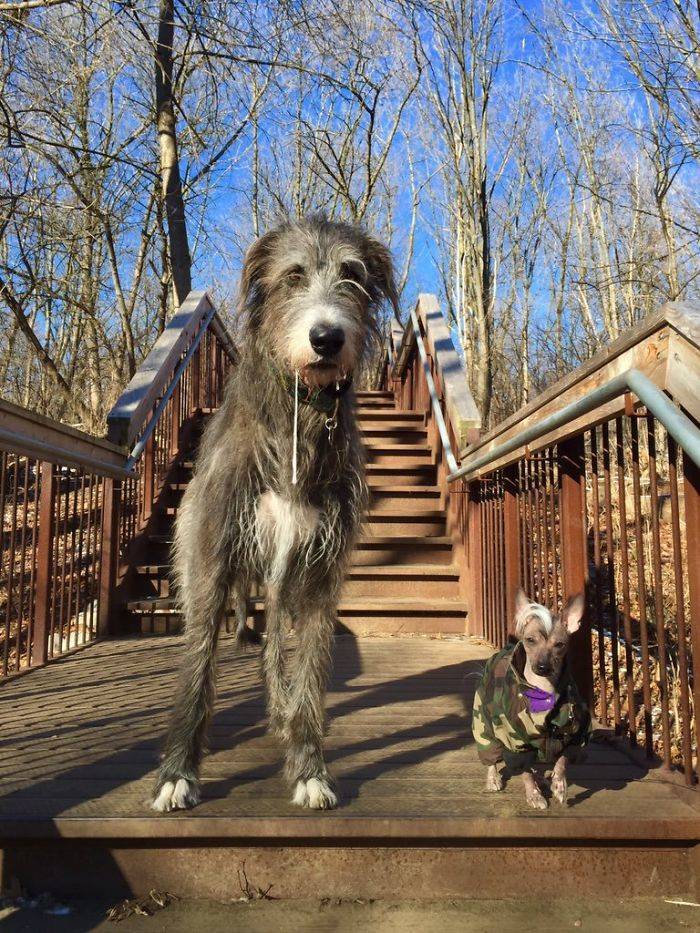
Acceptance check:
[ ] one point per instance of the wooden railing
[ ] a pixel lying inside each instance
(607, 502)
(183, 375)
(75, 507)
(53, 580)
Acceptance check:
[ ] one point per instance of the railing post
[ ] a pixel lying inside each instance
(109, 560)
(574, 557)
(148, 477)
(42, 606)
(175, 422)
(691, 489)
(511, 541)
(475, 597)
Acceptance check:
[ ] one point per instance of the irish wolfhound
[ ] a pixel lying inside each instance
(278, 492)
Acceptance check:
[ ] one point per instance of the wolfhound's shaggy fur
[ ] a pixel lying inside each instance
(242, 521)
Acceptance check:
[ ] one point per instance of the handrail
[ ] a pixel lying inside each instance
(434, 400)
(29, 434)
(461, 409)
(24, 445)
(126, 419)
(678, 425)
(140, 445)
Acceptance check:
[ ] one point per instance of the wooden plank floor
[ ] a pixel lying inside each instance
(79, 745)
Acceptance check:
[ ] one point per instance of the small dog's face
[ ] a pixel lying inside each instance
(312, 291)
(545, 636)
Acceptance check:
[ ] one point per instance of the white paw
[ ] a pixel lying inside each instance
(560, 789)
(176, 796)
(316, 794)
(494, 781)
(536, 799)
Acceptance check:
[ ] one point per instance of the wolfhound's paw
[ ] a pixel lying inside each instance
(494, 780)
(535, 798)
(560, 789)
(176, 795)
(316, 794)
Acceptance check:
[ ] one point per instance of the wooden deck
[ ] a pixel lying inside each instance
(80, 743)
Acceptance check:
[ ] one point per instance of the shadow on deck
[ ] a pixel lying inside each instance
(79, 744)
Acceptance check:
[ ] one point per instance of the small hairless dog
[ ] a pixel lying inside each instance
(527, 708)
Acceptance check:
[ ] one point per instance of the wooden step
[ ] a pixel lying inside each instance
(404, 472)
(398, 522)
(419, 580)
(412, 497)
(374, 394)
(370, 550)
(385, 496)
(386, 550)
(382, 453)
(393, 433)
(393, 415)
(362, 616)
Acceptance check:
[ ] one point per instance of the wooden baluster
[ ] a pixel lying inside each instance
(574, 555)
(148, 476)
(175, 421)
(511, 541)
(42, 606)
(109, 560)
(475, 596)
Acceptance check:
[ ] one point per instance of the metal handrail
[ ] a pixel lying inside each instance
(434, 400)
(678, 425)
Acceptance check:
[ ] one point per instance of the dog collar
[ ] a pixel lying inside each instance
(323, 400)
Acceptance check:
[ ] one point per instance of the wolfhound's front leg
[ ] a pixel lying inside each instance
(273, 660)
(202, 581)
(306, 720)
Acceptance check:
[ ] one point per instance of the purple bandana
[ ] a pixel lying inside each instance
(539, 701)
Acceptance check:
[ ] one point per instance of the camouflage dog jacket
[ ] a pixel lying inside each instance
(506, 729)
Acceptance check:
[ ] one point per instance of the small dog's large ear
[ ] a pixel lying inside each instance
(381, 281)
(255, 263)
(572, 613)
(522, 604)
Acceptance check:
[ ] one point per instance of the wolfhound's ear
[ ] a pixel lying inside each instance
(381, 280)
(255, 265)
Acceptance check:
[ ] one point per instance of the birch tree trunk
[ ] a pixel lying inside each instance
(171, 182)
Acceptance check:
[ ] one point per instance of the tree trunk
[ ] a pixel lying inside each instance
(171, 183)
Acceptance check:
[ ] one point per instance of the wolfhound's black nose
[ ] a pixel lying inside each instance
(326, 340)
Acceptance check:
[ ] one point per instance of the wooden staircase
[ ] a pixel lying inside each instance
(403, 577)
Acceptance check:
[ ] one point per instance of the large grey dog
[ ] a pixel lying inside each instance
(278, 492)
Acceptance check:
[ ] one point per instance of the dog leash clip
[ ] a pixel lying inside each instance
(332, 422)
(331, 425)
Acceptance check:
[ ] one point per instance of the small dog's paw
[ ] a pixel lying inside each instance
(175, 795)
(535, 798)
(560, 789)
(316, 794)
(494, 781)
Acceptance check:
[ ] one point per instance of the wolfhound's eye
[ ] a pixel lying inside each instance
(295, 275)
(353, 270)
